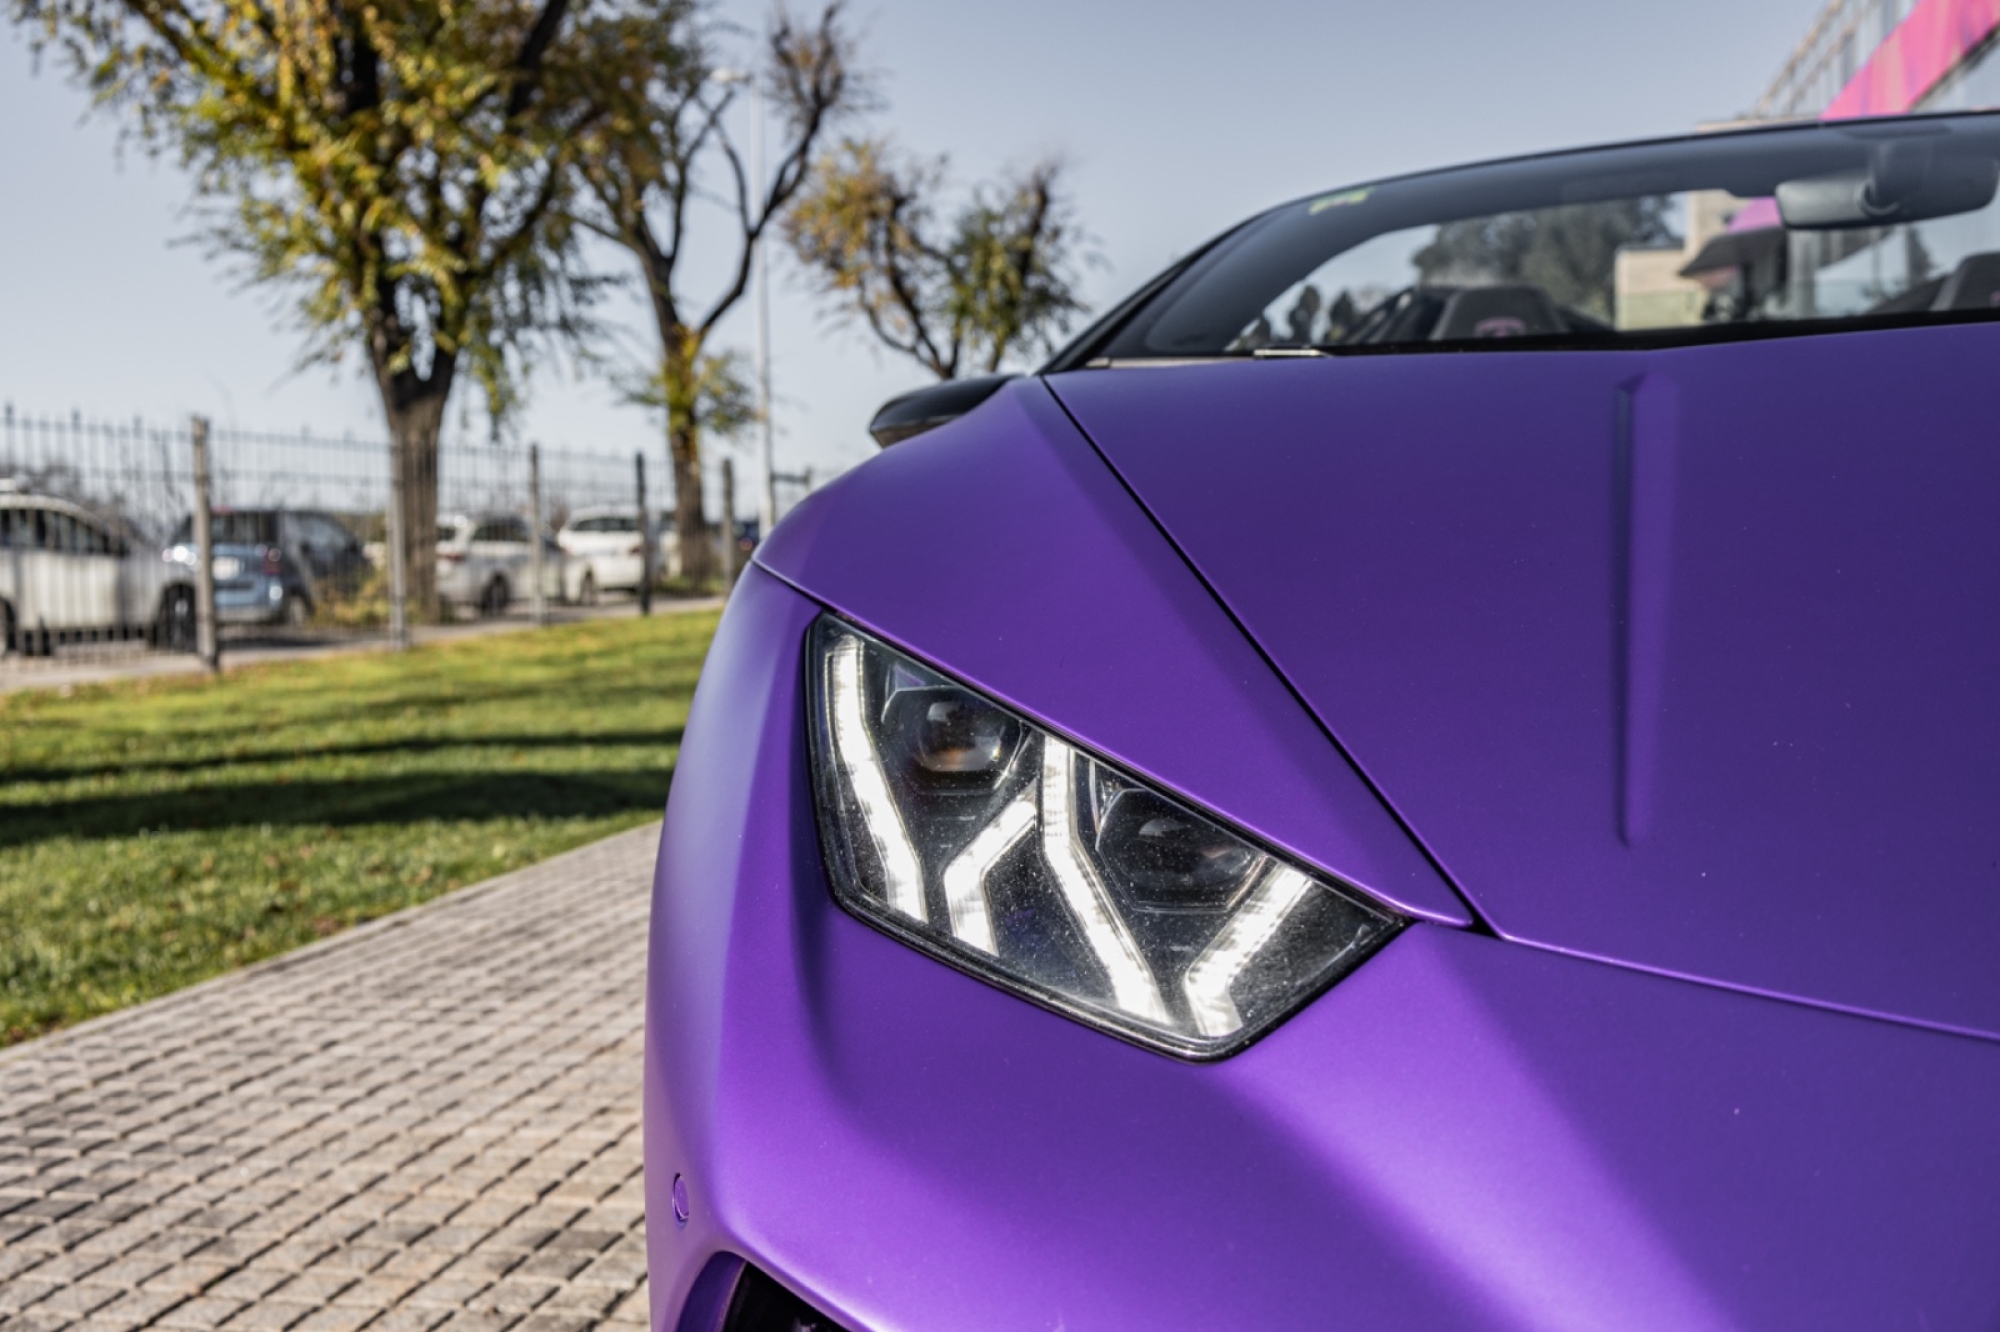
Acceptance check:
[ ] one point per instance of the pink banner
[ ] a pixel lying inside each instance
(1924, 48)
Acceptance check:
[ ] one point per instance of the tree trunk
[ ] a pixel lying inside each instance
(415, 409)
(696, 540)
(678, 372)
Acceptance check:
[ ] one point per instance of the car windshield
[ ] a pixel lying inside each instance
(233, 529)
(1799, 229)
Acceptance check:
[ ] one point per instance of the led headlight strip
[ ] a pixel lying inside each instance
(903, 877)
(965, 878)
(1132, 982)
(1242, 937)
(978, 837)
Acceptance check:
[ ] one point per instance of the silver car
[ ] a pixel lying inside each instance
(485, 561)
(604, 551)
(68, 575)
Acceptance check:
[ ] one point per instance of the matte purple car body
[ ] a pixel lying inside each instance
(1659, 687)
(1687, 658)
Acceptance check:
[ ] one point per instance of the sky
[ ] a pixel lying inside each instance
(1174, 118)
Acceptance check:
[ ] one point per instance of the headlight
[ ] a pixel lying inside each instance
(986, 841)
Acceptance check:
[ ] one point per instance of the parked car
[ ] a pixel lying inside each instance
(605, 553)
(485, 561)
(1289, 819)
(67, 574)
(272, 566)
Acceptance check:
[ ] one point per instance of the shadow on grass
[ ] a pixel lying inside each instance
(415, 744)
(370, 702)
(447, 796)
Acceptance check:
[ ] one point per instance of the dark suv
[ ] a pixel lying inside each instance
(272, 566)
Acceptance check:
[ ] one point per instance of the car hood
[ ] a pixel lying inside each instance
(1687, 659)
(1002, 550)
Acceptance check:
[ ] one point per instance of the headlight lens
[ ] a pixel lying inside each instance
(984, 840)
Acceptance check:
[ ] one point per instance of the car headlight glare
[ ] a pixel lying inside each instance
(986, 841)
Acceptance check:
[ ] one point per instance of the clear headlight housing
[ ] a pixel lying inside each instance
(986, 841)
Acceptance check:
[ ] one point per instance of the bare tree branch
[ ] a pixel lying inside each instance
(645, 178)
(995, 280)
(528, 64)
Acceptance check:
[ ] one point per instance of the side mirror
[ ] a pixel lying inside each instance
(928, 408)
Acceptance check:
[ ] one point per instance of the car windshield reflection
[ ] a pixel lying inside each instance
(1802, 229)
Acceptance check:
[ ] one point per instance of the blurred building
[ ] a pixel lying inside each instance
(1859, 58)
(1880, 57)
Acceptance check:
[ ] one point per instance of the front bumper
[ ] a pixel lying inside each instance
(255, 600)
(1464, 1134)
(608, 570)
(455, 582)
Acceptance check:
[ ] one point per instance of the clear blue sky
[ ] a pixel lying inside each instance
(1177, 118)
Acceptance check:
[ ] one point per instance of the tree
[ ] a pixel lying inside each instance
(402, 164)
(994, 281)
(643, 165)
(1569, 251)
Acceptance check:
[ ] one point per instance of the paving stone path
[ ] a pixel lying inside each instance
(428, 1122)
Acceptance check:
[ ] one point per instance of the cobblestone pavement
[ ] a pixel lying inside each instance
(430, 1121)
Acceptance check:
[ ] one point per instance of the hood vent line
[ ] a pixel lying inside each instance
(1646, 439)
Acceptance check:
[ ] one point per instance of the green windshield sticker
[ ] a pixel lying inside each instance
(1341, 200)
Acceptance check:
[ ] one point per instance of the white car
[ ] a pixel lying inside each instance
(605, 554)
(486, 561)
(68, 575)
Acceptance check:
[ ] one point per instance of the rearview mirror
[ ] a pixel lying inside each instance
(1905, 181)
(912, 414)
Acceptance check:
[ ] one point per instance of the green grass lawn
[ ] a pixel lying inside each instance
(157, 832)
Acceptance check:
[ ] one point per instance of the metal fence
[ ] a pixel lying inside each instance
(100, 538)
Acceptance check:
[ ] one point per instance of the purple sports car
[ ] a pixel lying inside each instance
(1438, 768)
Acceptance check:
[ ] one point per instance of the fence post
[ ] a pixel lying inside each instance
(392, 525)
(536, 571)
(645, 541)
(728, 525)
(207, 644)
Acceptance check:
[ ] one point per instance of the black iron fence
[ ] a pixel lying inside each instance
(102, 547)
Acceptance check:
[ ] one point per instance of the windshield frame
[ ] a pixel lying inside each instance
(1117, 339)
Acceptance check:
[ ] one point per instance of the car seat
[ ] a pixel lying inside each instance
(1498, 312)
(1973, 285)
